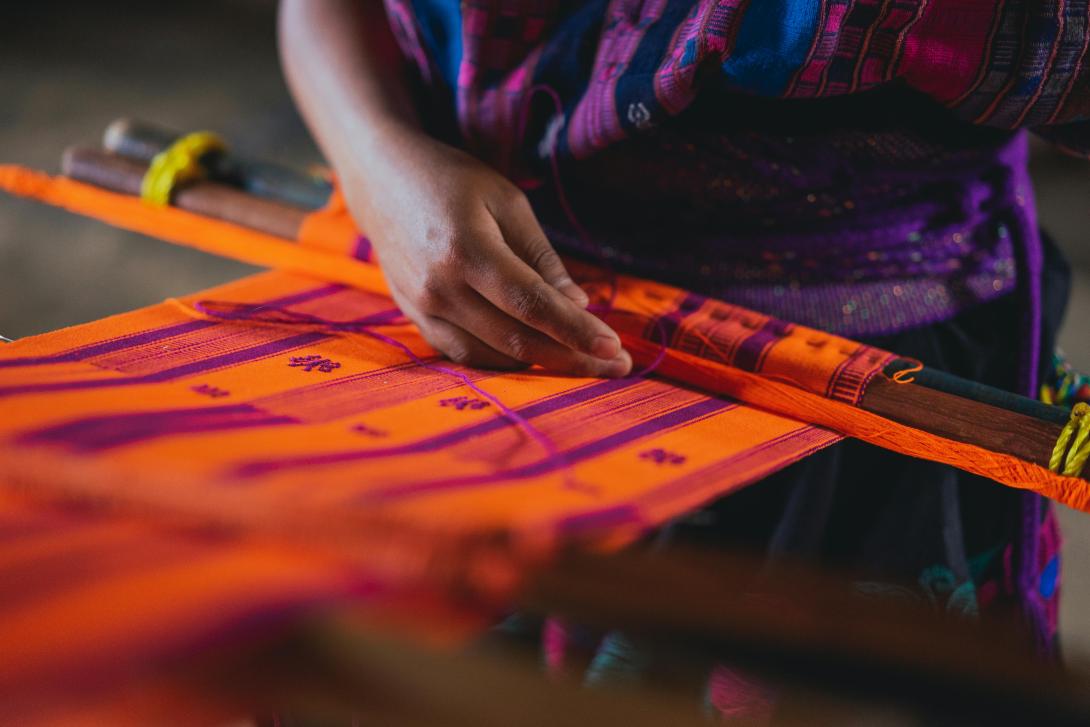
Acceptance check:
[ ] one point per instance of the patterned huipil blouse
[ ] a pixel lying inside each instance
(854, 165)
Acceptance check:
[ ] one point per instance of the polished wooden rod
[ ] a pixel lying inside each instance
(141, 141)
(211, 199)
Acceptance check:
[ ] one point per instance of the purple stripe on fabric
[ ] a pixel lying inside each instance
(197, 367)
(96, 559)
(815, 439)
(610, 517)
(140, 339)
(362, 251)
(44, 524)
(287, 606)
(548, 406)
(93, 434)
(835, 379)
(80, 354)
(765, 454)
(751, 352)
(678, 417)
(672, 320)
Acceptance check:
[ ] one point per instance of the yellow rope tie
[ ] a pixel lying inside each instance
(178, 164)
(1073, 446)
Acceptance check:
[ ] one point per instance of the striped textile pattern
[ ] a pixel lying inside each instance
(172, 485)
(234, 419)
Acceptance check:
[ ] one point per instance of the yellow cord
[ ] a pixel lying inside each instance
(178, 164)
(1073, 446)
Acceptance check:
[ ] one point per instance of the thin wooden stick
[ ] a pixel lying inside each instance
(942, 381)
(141, 141)
(965, 419)
(211, 199)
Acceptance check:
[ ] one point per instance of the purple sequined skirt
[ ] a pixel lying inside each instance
(864, 228)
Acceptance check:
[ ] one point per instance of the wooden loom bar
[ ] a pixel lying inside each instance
(211, 199)
(141, 141)
(939, 412)
(963, 420)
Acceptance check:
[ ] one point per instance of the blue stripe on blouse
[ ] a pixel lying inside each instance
(440, 24)
(773, 41)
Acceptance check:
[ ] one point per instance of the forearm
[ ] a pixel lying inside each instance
(342, 66)
(462, 252)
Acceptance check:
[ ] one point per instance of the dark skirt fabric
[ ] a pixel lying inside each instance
(903, 528)
(902, 524)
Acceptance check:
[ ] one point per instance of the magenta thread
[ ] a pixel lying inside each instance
(281, 316)
(265, 313)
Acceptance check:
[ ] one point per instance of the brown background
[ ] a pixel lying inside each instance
(67, 69)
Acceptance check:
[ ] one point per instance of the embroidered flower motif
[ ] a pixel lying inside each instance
(369, 431)
(663, 456)
(465, 402)
(314, 361)
(213, 391)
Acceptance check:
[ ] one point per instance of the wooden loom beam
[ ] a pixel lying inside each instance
(942, 413)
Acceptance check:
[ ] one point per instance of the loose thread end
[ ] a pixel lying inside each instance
(904, 376)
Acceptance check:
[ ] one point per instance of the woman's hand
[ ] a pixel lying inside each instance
(467, 261)
(464, 256)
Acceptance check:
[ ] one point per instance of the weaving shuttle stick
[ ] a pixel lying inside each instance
(942, 381)
(141, 141)
(212, 199)
(965, 420)
(947, 415)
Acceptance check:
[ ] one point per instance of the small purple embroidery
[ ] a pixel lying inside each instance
(213, 391)
(314, 361)
(369, 431)
(663, 456)
(465, 402)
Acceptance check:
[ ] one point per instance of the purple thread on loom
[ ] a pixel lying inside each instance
(393, 316)
(561, 193)
(513, 416)
(562, 197)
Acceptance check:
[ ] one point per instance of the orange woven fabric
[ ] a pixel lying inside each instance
(262, 423)
(345, 471)
(343, 467)
(703, 335)
(108, 619)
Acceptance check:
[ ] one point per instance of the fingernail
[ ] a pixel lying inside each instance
(574, 292)
(620, 366)
(605, 347)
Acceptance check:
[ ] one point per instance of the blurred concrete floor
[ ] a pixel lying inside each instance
(68, 69)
